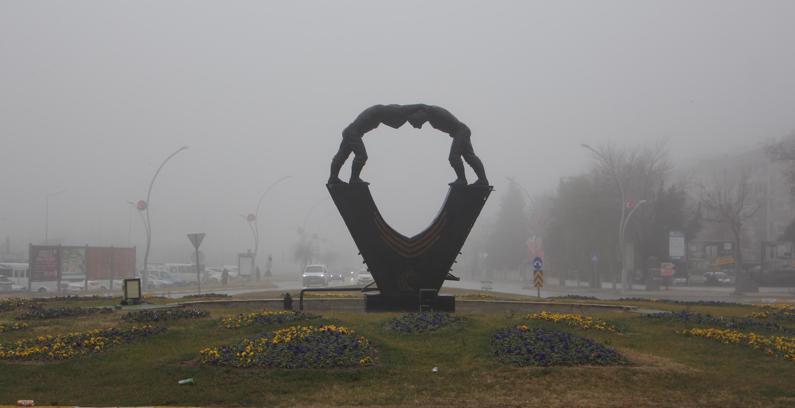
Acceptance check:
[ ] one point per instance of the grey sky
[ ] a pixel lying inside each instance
(94, 94)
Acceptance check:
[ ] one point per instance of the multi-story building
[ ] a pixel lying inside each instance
(769, 195)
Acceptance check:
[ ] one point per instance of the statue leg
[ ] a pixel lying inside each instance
(359, 159)
(477, 166)
(337, 162)
(457, 163)
(468, 152)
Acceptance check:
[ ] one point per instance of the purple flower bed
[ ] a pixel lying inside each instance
(66, 346)
(523, 346)
(7, 305)
(37, 312)
(421, 322)
(295, 347)
(734, 323)
(159, 315)
(682, 302)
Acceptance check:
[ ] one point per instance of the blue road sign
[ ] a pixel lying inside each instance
(538, 263)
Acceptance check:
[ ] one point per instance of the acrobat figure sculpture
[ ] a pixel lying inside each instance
(395, 116)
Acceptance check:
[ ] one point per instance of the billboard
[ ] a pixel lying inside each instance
(110, 263)
(676, 245)
(245, 264)
(44, 262)
(73, 263)
(55, 263)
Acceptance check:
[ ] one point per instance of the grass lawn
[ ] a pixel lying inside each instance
(667, 368)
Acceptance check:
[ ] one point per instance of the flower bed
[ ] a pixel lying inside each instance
(295, 347)
(772, 345)
(574, 320)
(62, 347)
(736, 323)
(775, 312)
(682, 302)
(41, 313)
(76, 298)
(421, 322)
(265, 317)
(7, 305)
(158, 315)
(7, 327)
(523, 346)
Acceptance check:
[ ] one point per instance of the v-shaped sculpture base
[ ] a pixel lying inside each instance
(400, 265)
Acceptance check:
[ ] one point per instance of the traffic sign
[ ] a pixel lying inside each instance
(538, 279)
(196, 239)
(538, 263)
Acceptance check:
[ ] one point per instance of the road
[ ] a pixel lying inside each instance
(682, 293)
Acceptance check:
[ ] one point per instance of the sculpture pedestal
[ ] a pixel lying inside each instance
(378, 302)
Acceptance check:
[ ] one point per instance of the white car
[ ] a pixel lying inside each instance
(315, 275)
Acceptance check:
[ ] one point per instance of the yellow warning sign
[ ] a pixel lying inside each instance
(538, 279)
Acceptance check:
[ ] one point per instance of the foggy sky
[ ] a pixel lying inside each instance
(95, 94)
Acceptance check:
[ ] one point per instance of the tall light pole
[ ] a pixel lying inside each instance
(253, 218)
(47, 213)
(140, 206)
(145, 207)
(624, 280)
(614, 172)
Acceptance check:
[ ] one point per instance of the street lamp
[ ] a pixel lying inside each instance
(47, 213)
(624, 279)
(621, 223)
(253, 218)
(135, 206)
(144, 206)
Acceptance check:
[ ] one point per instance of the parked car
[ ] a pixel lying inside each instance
(718, 278)
(364, 277)
(48, 286)
(315, 275)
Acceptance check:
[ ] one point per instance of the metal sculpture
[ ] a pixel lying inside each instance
(408, 271)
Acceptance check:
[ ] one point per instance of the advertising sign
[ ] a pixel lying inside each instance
(245, 264)
(43, 263)
(110, 263)
(73, 263)
(80, 263)
(676, 245)
(666, 269)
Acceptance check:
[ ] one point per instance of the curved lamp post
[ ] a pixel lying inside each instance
(144, 206)
(253, 218)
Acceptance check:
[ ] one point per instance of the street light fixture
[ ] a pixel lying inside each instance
(253, 218)
(145, 205)
(47, 213)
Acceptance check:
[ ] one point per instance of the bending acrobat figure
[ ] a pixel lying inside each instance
(391, 115)
(395, 116)
(441, 119)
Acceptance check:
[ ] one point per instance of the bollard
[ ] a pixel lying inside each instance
(288, 302)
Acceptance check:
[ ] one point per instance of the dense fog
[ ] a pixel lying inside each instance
(94, 95)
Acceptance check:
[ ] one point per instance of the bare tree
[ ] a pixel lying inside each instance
(636, 174)
(729, 201)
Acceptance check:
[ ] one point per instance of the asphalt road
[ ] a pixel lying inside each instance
(683, 293)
